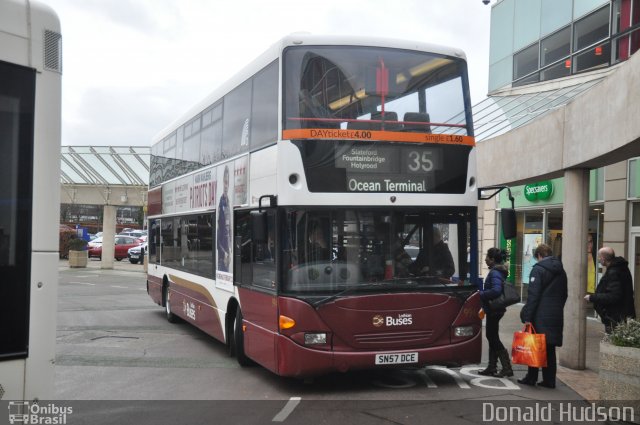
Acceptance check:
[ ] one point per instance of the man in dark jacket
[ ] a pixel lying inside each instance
(544, 309)
(438, 262)
(613, 300)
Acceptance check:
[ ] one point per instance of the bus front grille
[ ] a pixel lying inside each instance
(394, 338)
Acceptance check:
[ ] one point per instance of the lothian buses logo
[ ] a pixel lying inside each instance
(402, 319)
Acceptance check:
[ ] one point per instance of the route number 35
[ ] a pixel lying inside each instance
(420, 161)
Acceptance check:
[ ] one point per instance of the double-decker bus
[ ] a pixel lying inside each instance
(318, 212)
(30, 107)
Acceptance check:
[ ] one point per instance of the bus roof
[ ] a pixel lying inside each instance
(300, 39)
(21, 20)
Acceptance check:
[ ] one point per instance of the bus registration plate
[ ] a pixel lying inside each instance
(396, 358)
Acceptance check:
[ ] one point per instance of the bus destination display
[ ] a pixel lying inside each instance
(389, 168)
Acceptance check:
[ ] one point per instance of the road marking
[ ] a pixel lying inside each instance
(120, 287)
(83, 283)
(287, 409)
(461, 383)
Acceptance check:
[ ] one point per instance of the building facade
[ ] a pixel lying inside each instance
(563, 91)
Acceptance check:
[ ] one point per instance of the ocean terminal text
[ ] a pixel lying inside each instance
(386, 185)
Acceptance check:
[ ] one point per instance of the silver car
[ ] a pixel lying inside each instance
(135, 254)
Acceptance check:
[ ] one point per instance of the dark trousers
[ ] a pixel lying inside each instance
(549, 372)
(492, 332)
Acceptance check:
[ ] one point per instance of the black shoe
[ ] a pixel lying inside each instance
(488, 371)
(527, 381)
(546, 384)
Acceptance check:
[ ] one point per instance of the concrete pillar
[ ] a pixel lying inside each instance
(615, 208)
(108, 236)
(575, 221)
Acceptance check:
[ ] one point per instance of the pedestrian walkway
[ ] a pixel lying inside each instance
(584, 382)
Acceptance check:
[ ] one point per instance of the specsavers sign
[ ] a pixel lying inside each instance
(538, 191)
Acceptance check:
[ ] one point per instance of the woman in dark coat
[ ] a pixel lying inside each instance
(491, 289)
(544, 310)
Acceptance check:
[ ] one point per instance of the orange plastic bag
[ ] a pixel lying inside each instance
(529, 348)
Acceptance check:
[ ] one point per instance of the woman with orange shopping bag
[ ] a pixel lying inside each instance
(544, 310)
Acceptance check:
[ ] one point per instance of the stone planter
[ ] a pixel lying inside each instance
(78, 258)
(619, 377)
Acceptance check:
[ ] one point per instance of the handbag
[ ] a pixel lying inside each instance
(529, 348)
(509, 296)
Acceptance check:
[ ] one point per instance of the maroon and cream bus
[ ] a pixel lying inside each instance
(318, 212)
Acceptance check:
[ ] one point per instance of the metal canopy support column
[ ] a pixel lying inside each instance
(575, 219)
(108, 236)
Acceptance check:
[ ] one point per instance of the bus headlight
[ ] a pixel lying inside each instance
(315, 338)
(463, 331)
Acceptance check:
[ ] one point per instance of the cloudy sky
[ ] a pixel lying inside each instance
(131, 67)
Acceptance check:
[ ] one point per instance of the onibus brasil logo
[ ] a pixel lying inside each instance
(25, 412)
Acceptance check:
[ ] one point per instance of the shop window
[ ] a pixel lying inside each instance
(531, 238)
(635, 214)
(626, 14)
(634, 179)
(558, 70)
(555, 47)
(533, 78)
(525, 61)
(591, 29)
(554, 231)
(593, 58)
(596, 184)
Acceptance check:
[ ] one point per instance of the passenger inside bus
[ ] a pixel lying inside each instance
(318, 249)
(437, 261)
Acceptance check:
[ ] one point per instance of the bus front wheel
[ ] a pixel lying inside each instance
(238, 341)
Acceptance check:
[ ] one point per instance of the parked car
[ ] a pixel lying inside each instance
(134, 233)
(135, 254)
(122, 245)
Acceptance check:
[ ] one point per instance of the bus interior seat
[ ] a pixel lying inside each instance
(390, 120)
(417, 117)
(360, 125)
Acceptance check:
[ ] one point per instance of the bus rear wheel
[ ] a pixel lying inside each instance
(238, 341)
(172, 318)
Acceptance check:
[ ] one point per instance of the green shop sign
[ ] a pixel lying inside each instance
(538, 191)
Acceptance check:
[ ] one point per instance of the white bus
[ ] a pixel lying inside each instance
(30, 106)
(318, 212)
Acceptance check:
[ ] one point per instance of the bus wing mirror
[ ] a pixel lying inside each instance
(259, 226)
(508, 219)
(507, 215)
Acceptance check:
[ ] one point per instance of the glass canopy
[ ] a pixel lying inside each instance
(105, 165)
(497, 115)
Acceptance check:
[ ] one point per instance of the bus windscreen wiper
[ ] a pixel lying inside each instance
(349, 290)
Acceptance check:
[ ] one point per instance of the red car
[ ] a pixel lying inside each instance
(123, 243)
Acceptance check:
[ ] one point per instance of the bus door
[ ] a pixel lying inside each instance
(255, 276)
